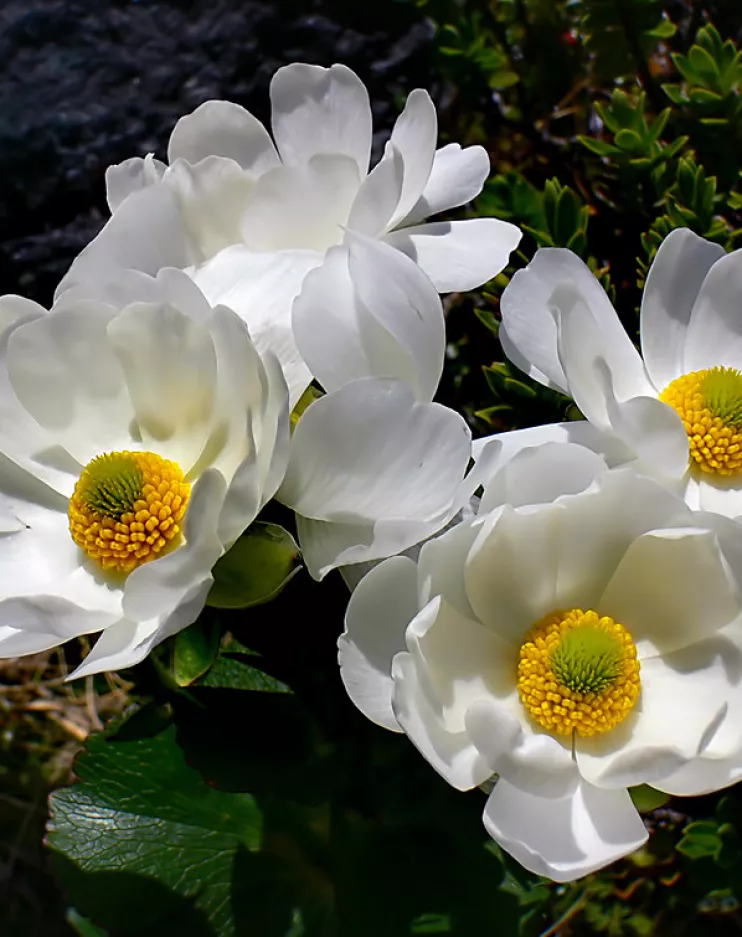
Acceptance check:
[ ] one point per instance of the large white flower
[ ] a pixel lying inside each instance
(677, 409)
(137, 441)
(581, 635)
(249, 217)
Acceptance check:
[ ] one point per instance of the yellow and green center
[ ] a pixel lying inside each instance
(127, 508)
(578, 672)
(710, 405)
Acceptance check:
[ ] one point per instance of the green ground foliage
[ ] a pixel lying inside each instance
(241, 793)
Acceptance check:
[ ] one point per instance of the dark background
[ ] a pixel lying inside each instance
(87, 83)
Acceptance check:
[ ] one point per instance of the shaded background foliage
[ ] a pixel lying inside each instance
(240, 792)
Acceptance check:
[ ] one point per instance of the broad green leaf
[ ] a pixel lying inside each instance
(241, 672)
(700, 839)
(142, 843)
(194, 651)
(256, 569)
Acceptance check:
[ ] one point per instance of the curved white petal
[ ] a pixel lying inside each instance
(577, 432)
(528, 562)
(461, 663)
(212, 196)
(683, 701)
(145, 233)
(697, 597)
(714, 335)
(133, 174)
(320, 110)
(587, 348)
(301, 207)
(452, 755)
(170, 367)
(648, 427)
(414, 135)
(720, 495)
(66, 376)
(370, 312)
(261, 288)
(673, 283)
(535, 763)
(378, 195)
(456, 177)
(566, 838)
(458, 255)
(528, 332)
(380, 608)
(220, 128)
(541, 473)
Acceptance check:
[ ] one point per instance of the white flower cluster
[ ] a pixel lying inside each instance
(572, 623)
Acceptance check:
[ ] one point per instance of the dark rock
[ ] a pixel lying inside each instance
(85, 84)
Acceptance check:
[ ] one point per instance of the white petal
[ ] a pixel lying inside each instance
(213, 197)
(587, 348)
(451, 753)
(383, 604)
(579, 432)
(457, 176)
(378, 195)
(414, 134)
(127, 643)
(458, 255)
(156, 589)
(648, 427)
(714, 336)
(170, 367)
(528, 332)
(261, 289)
(146, 233)
(369, 488)
(567, 838)
(529, 562)
(370, 312)
(441, 566)
(536, 763)
(671, 589)
(130, 176)
(220, 128)
(460, 663)
(720, 495)
(402, 460)
(320, 110)
(301, 207)
(41, 622)
(64, 372)
(684, 696)
(673, 282)
(539, 474)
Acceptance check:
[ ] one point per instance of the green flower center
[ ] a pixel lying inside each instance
(587, 659)
(722, 392)
(112, 485)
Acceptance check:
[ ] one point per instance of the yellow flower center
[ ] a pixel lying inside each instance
(710, 406)
(127, 508)
(578, 672)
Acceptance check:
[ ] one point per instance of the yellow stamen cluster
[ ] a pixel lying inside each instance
(578, 672)
(710, 405)
(127, 508)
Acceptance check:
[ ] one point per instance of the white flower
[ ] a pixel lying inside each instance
(136, 443)
(372, 472)
(249, 217)
(581, 635)
(678, 410)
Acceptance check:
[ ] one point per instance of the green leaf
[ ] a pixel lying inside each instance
(700, 839)
(194, 651)
(236, 672)
(256, 569)
(142, 843)
(646, 798)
